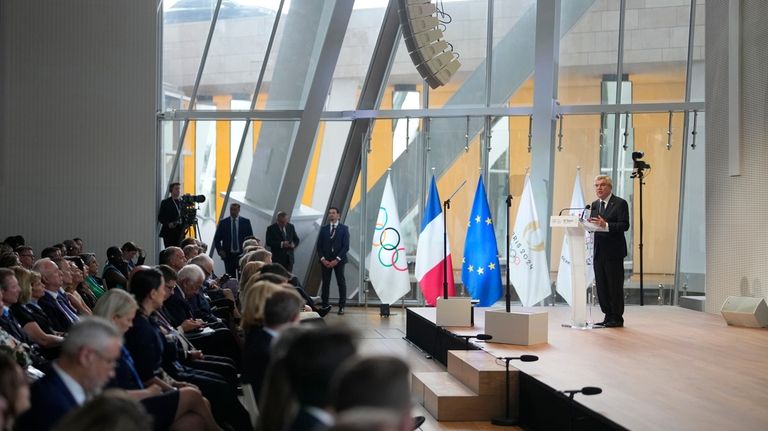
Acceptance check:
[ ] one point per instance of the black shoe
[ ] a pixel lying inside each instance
(322, 311)
(418, 421)
(613, 324)
(341, 310)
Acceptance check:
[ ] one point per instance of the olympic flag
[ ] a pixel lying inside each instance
(564, 274)
(429, 252)
(387, 266)
(528, 262)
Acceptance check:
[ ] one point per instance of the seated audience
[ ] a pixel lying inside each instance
(79, 295)
(154, 354)
(26, 256)
(88, 357)
(54, 301)
(116, 272)
(180, 409)
(31, 317)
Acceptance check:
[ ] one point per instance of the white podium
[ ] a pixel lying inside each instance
(576, 229)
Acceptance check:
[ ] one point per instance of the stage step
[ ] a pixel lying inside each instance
(480, 372)
(695, 303)
(447, 399)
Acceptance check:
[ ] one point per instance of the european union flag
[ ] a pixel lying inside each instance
(480, 266)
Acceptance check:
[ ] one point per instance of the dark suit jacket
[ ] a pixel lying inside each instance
(169, 213)
(177, 309)
(222, 239)
(612, 243)
(275, 236)
(305, 421)
(256, 354)
(51, 400)
(338, 246)
(59, 320)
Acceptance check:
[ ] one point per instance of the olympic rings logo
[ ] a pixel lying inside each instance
(387, 240)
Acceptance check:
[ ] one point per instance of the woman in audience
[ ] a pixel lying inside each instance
(92, 280)
(78, 279)
(68, 276)
(254, 298)
(14, 390)
(113, 276)
(174, 409)
(30, 316)
(249, 270)
(154, 355)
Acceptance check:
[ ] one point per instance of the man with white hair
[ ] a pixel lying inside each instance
(55, 303)
(87, 362)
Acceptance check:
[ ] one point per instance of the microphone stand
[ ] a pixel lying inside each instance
(509, 283)
(640, 175)
(446, 206)
(508, 420)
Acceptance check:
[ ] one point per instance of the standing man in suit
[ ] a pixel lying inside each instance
(610, 249)
(281, 240)
(170, 217)
(88, 357)
(229, 237)
(333, 245)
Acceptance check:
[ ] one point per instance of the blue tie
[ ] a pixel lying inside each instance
(65, 307)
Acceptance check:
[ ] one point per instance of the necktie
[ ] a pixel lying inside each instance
(602, 207)
(333, 230)
(235, 242)
(66, 308)
(13, 326)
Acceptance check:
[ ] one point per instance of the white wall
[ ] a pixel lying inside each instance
(77, 128)
(737, 207)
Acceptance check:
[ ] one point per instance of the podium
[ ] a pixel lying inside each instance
(576, 229)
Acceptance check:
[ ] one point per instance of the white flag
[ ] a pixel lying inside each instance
(564, 274)
(528, 269)
(387, 265)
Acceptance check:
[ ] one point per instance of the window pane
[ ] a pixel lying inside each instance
(514, 37)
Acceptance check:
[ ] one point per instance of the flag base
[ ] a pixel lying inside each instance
(455, 312)
(585, 326)
(505, 422)
(520, 327)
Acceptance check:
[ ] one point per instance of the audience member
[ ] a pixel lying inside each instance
(14, 391)
(311, 362)
(69, 277)
(281, 310)
(31, 317)
(26, 256)
(115, 275)
(54, 302)
(88, 357)
(110, 411)
(92, 280)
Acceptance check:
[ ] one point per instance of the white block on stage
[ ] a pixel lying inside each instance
(517, 327)
(454, 312)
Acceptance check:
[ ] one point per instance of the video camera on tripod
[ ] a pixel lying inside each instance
(188, 209)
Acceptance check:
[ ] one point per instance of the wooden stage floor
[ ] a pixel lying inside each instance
(669, 368)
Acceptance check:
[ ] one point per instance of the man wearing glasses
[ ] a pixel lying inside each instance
(26, 256)
(87, 362)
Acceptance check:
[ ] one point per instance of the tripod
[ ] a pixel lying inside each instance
(639, 173)
(195, 227)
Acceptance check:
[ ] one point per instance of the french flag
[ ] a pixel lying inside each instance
(429, 252)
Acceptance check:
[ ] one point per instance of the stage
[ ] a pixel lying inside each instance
(668, 369)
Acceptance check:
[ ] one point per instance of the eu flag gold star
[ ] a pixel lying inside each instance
(480, 270)
(488, 221)
(491, 266)
(477, 219)
(471, 268)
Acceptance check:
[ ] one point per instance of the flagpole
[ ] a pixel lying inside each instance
(509, 295)
(446, 206)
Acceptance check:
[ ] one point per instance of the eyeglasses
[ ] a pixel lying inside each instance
(109, 361)
(26, 255)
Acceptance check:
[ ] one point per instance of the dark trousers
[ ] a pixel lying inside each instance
(231, 263)
(225, 405)
(609, 280)
(340, 280)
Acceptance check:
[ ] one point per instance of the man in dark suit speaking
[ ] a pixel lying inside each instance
(610, 249)
(281, 239)
(332, 246)
(229, 237)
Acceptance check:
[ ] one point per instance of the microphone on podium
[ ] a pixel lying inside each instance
(588, 206)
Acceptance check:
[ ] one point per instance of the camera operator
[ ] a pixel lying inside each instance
(170, 217)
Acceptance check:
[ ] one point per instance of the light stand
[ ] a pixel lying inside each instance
(508, 420)
(639, 173)
(586, 390)
(509, 283)
(482, 337)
